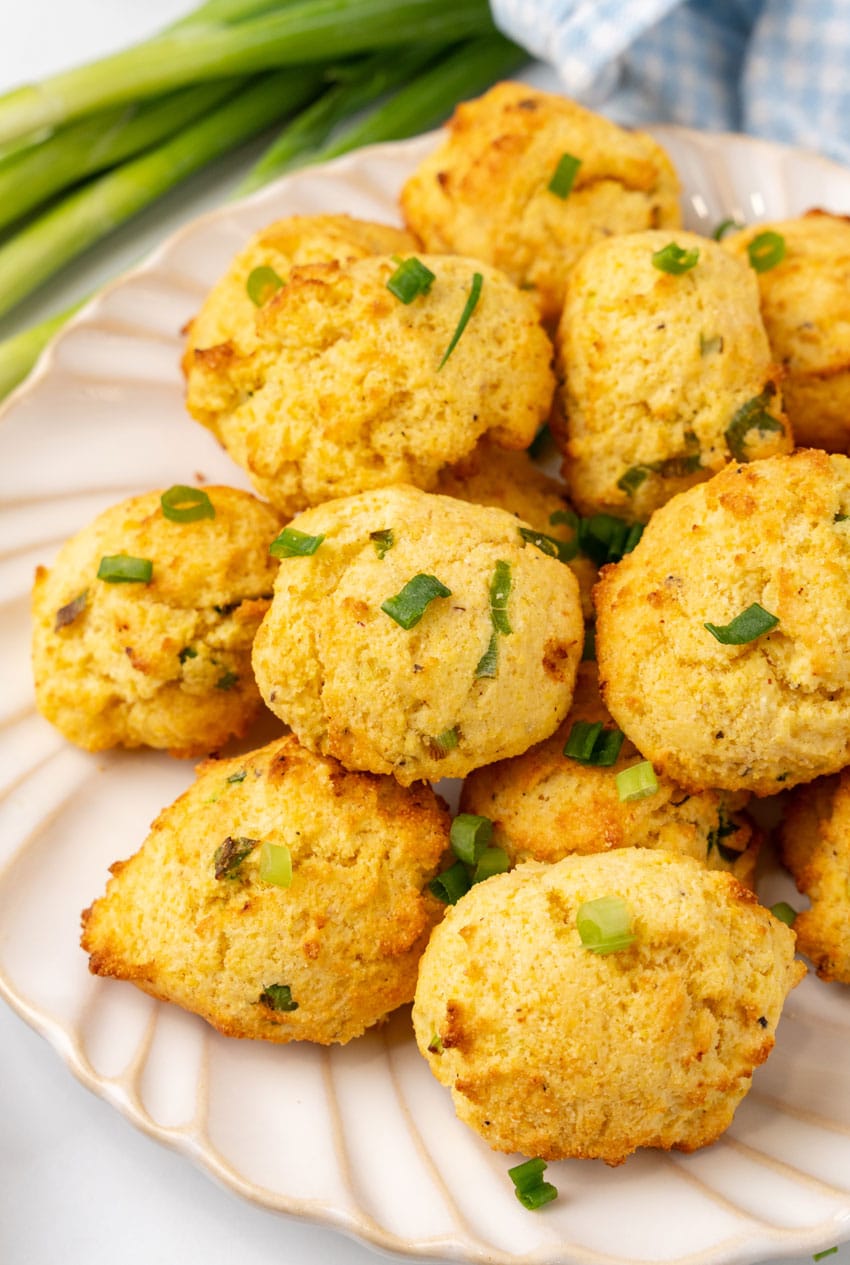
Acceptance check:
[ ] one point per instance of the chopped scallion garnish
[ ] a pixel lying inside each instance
(469, 308)
(675, 259)
(724, 227)
(723, 830)
(121, 568)
(443, 743)
(451, 884)
(752, 415)
(275, 864)
(382, 540)
(469, 836)
(636, 782)
(435, 1045)
(237, 777)
(766, 250)
(292, 543)
(500, 591)
(605, 538)
(529, 1186)
(188, 652)
(278, 997)
(563, 550)
(492, 861)
(409, 605)
(226, 681)
(186, 505)
(570, 517)
(71, 610)
(784, 912)
(744, 628)
(708, 346)
(230, 854)
(410, 279)
(262, 283)
(592, 744)
(605, 925)
(829, 1251)
(632, 479)
(488, 664)
(564, 176)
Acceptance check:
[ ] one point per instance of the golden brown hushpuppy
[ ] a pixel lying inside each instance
(227, 321)
(162, 662)
(545, 806)
(194, 917)
(761, 552)
(815, 838)
(495, 476)
(665, 376)
(349, 388)
(481, 667)
(486, 191)
(557, 1051)
(805, 304)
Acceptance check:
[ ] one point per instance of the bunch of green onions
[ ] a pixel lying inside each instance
(83, 151)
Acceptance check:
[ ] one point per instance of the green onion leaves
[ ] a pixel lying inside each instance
(529, 1186)
(710, 346)
(766, 250)
(724, 227)
(492, 861)
(441, 744)
(605, 538)
(278, 997)
(636, 782)
(677, 467)
(409, 605)
(292, 543)
(71, 610)
(382, 540)
(563, 550)
(275, 864)
(564, 176)
(752, 415)
(226, 681)
(592, 744)
(723, 829)
(604, 925)
(489, 661)
(186, 505)
(229, 855)
(262, 283)
(469, 308)
(235, 778)
(410, 279)
(451, 884)
(469, 836)
(674, 259)
(500, 590)
(120, 568)
(829, 1251)
(476, 861)
(744, 628)
(784, 912)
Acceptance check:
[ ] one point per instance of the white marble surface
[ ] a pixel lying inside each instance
(77, 1183)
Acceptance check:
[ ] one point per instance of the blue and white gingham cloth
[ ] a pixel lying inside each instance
(775, 68)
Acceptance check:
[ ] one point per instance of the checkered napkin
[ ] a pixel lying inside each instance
(777, 68)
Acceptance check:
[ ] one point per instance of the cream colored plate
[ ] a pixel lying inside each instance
(359, 1137)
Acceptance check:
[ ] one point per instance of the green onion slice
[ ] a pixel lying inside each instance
(237, 777)
(632, 479)
(542, 441)
(470, 835)
(605, 925)
(451, 884)
(382, 540)
(766, 250)
(592, 744)
(744, 628)
(605, 538)
(488, 663)
(292, 543)
(567, 516)
(276, 864)
(186, 505)
(563, 550)
(262, 283)
(435, 1045)
(278, 997)
(675, 259)
(500, 591)
(469, 308)
(409, 605)
(410, 279)
(71, 610)
(443, 743)
(724, 227)
(529, 1187)
(492, 861)
(829, 1251)
(636, 782)
(188, 652)
(121, 568)
(227, 681)
(784, 912)
(564, 176)
(230, 854)
(752, 415)
(708, 346)
(722, 830)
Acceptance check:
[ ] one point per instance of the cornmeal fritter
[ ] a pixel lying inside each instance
(193, 917)
(484, 668)
(665, 376)
(486, 191)
(495, 476)
(163, 662)
(763, 548)
(815, 836)
(228, 317)
(805, 304)
(545, 806)
(350, 388)
(557, 1051)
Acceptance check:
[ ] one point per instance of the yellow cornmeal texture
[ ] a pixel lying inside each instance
(654, 369)
(555, 1051)
(345, 390)
(815, 837)
(227, 321)
(345, 937)
(760, 716)
(485, 191)
(545, 806)
(354, 684)
(510, 480)
(167, 663)
(805, 303)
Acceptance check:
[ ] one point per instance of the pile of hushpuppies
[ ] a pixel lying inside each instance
(412, 599)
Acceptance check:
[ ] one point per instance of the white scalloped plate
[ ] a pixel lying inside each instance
(359, 1137)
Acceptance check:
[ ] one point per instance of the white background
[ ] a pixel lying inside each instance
(78, 1185)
